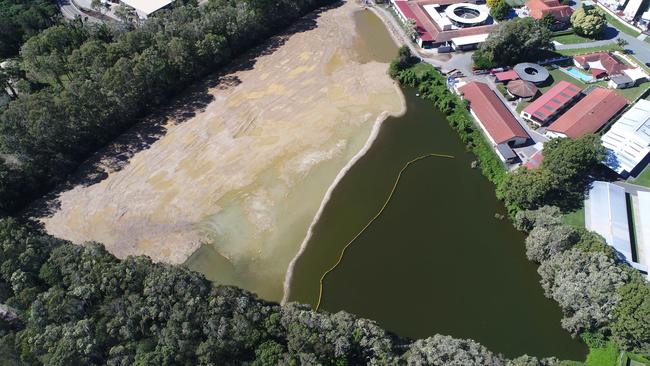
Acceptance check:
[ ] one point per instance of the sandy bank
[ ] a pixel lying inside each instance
(247, 173)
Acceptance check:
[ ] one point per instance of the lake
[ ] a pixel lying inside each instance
(437, 260)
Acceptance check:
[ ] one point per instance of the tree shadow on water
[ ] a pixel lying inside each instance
(186, 104)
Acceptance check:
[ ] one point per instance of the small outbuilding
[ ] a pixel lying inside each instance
(620, 82)
(505, 76)
(533, 73)
(522, 89)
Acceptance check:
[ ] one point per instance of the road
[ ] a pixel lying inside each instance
(70, 11)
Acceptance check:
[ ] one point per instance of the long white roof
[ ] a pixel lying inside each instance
(632, 8)
(643, 230)
(606, 214)
(628, 141)
(147, 6)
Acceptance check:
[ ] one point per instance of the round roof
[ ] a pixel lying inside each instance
(521, 88)
(467, 14)
(531, 72)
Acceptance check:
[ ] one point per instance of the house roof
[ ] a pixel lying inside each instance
(506, 75)
(427, 29)
(607, 62)
(551, 101)
(589, 114)
(147, 6)
(621, 79)
(539, 8)
(495, 117)
(628, 141)
(521, 88)
(423, 33)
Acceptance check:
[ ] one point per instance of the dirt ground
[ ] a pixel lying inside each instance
(293, 109)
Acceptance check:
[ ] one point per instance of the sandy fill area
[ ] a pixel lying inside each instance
(293, 110)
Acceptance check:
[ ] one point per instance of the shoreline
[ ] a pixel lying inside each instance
(328, 194)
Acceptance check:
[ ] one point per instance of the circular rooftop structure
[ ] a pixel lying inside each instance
(522, 89)
(531, 72)
(466, 14)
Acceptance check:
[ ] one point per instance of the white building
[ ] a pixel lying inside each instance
(628, 141)
(144, 8)
(606, 214)
(632, 8)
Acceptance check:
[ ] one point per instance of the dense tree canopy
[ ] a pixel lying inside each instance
(499, 10)
(598, 294)
(562, 178)
(82, 306)
(513, 41)
(21, 19)
(589, 22)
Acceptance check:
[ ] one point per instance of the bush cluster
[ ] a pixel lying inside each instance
(601, 297)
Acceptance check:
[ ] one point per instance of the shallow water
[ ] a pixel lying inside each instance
(286, 209)
(437, 260)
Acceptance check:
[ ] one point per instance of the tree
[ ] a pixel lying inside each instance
(411, 29)
(544, 242)
(621, 42)
(548, 21)
(544, 216)
(20, 20)
(97, 5)
(500, 10)
(631, 325)
(584, 285)
(514, 41)
(443, 350)
(589, 22)
(562, 178)
(124, 13)
(526, 189)
(572, 161)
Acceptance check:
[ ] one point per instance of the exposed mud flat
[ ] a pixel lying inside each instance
(243, 178)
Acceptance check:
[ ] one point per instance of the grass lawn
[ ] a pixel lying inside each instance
(610, 355)
(629, 93)
(620, 26)
(606, 356)
(570, 39)
(643, 179)
(577, 51)
(575, 218)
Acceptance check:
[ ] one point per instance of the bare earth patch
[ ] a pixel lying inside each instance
(248, 172)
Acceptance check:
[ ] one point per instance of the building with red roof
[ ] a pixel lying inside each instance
(589, 115)
(600, 64)
(539, 8)
(495, 119)
(545, 108)
(505, 76)
(440, 31)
